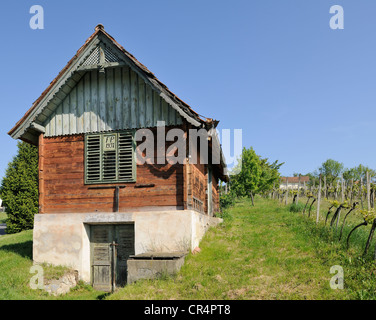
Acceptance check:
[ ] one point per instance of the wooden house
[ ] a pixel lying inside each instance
(93, 195)
(293, 182)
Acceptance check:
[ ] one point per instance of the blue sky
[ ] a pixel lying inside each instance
(300, 91)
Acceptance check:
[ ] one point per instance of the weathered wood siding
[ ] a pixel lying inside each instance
(215, 196)
(118, 99)
(199, 184)
(64, 191)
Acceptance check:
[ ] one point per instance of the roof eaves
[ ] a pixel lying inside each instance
(52, 83)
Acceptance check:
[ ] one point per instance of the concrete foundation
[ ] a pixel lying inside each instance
(63, 239)
(149, 266)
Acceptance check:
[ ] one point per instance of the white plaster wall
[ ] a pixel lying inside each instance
(63, 239)
(200, 224)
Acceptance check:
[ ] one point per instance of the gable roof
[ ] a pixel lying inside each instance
(99, 51)
(102, 51)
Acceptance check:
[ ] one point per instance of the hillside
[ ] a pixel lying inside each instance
(260, 252)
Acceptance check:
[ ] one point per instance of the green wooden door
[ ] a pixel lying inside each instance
(111, 246)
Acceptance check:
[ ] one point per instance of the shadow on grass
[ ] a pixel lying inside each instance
(103, 296)
(24, 249)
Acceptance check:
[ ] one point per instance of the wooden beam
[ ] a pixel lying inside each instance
(38, 127)
(102, 66)
(41, 173)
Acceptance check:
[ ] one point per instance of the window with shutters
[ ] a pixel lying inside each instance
(110, 157)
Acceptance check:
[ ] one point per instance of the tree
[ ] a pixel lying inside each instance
(254, 174)
(245, 183)
(19, 189)
(269, 175)
(331, 169)
(358, 172)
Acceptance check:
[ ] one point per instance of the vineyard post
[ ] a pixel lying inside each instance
(336, 193)
(287, 190)
(368, 191)
(361, 191)
(351, 191)
(325, 188)
(342, 190)
(297, 194)
(318, 201)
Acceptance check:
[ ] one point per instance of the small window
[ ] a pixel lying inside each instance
(110, 157)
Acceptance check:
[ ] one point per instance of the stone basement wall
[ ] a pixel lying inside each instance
(149, 266)
(63, 285)
(63, 239)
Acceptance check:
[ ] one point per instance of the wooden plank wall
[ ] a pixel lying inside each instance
(116, 100)
(215, 196)
(63, 189)
(199, 183)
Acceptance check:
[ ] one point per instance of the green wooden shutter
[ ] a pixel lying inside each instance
(126, 157)
(93, 158)
(108, 163)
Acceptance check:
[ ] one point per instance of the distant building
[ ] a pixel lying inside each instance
(293, 182)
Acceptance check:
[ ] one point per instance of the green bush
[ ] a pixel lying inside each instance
(19, 189)
(296, 207)
(226, 200)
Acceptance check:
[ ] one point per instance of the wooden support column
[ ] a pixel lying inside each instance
(40, 172)
(187, 172)
(189, 186)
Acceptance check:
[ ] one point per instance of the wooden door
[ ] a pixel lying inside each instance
(125, 247)
(111, 246)
(101, 257)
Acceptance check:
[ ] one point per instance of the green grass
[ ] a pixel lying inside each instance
(3, 217)
(15, 264)
(260, 252)
(263, 252)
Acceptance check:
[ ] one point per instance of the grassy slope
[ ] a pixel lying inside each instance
(265, 252)
(15, 263)
(261, 252)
